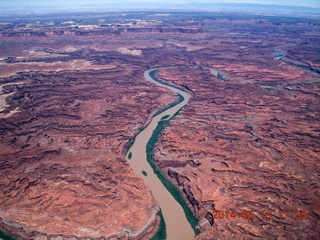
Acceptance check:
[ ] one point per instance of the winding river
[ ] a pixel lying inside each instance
(177, 225)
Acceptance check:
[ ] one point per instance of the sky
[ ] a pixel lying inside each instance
(19, 3)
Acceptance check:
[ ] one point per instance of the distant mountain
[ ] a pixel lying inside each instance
(256, 8)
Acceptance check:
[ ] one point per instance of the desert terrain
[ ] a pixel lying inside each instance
(73, 97)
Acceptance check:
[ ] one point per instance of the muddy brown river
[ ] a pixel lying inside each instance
(177, 225)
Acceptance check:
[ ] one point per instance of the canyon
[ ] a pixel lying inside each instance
(73, 98)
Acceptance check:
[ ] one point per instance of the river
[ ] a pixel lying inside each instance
(177, 225)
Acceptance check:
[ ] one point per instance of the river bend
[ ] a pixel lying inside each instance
(177, 225)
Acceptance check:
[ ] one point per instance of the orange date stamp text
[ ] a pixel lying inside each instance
(263, 214)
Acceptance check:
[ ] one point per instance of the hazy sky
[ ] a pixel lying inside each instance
(304, 3)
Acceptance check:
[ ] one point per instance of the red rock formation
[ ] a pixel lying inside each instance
(246, 141)
(62, 154)
(257, 150)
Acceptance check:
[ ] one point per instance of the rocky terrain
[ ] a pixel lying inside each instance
(73, 97)
(65, 125)
(249, 141)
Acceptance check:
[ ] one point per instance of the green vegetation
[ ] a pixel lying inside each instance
(8, 237)
(132, 142)
(171, 188)
(153, 74)
(179, 100)
(130, 155)
(268, 88)
(221, 77)
(161, 234)
(130, 145)
(165, 117)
